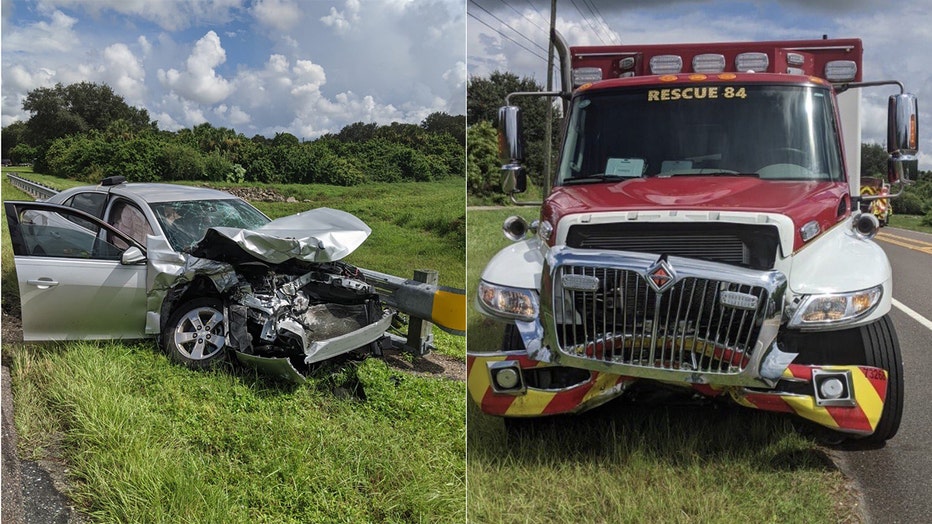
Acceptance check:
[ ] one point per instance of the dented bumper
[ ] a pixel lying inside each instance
(527, 400)
(856, 412)
(802, 390)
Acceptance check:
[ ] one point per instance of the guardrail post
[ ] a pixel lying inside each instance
(420, 332)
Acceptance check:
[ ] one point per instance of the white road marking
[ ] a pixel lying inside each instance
(916, 316)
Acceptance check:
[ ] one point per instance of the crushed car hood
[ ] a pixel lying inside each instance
(318, 235)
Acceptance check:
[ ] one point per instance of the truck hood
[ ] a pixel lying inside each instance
(802, 201)
(318, 235)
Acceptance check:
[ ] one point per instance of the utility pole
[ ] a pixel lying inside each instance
(548, 126)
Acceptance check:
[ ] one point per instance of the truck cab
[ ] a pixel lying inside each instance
(699, 234)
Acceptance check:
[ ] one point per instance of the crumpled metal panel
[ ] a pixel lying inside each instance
(318, 235)
(168, 269)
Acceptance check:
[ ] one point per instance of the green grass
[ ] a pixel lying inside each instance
(149, 441)
(911, 222)
(630, 463)
(145, 440)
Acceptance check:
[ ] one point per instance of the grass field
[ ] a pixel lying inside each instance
(145, 440)
(629, 462)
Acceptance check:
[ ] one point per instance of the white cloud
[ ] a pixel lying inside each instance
(56, 35)
(342, 21)
(169, 15)
(124, 73)
(275, 66)
(199, 82)
(281, 15)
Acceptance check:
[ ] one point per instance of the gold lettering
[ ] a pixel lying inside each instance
(665, 94)
(713, 92)
(653, 95)
(688, 93)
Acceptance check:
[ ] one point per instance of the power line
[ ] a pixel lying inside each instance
(503, 35)
(586, 19)
(525, 17)
(506, 24)
(601, 19)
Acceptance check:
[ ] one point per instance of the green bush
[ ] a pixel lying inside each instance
(908, 203)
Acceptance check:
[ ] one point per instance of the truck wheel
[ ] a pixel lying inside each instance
(194, 334)
(882, 350)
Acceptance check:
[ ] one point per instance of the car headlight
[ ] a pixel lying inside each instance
(507, 302)
(835, 309)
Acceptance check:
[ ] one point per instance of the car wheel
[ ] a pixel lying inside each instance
(194, 335)
(882, 350)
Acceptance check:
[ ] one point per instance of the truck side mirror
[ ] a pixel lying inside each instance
(902, 136)
(510, 150)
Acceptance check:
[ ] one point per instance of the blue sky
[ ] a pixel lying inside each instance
(897, 37)
(257, 66)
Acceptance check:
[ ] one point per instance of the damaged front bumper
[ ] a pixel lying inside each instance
(847, 399)
(319, 350)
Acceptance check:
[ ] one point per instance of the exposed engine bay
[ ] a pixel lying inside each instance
(288, 311)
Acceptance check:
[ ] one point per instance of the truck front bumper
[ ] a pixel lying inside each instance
(499, 384)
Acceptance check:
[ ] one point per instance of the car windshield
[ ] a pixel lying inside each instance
(771, 132)
(185, 222)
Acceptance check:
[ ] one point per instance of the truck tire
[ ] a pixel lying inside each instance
(882, 350)
(194, 334)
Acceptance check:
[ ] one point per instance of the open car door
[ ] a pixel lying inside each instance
(74, 280)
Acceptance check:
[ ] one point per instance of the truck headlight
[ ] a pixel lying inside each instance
(835, 309)
(507, 302)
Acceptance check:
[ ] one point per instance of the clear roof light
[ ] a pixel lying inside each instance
(626, 63)
(709, 63)
(584, 75)
(746, 62)
(666, 64)
(841, 70)
(626, 74)
(795, 59)
(795, 71)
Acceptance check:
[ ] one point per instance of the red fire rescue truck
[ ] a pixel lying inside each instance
(701, 234)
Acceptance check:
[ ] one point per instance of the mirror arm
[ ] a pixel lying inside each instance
(841, 88)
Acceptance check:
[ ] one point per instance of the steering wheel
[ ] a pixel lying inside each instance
(791, 155)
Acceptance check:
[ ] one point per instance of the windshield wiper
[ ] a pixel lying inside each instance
(590, 179)
(709, 173)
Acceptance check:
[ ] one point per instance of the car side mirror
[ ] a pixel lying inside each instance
(133, 255)
(510, 149)
(902, 136)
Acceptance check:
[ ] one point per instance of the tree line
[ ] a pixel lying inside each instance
(86, 132)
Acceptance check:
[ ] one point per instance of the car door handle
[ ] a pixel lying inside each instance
(42, 283)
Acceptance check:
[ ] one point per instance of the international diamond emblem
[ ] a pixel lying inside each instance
(660, 276)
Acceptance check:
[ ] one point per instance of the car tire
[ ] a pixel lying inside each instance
(882, 350)
(195, 333)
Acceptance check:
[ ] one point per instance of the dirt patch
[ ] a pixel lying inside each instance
(11, 329)
(430, 365)
(257, 194)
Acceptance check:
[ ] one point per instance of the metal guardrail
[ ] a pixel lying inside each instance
(35, 189)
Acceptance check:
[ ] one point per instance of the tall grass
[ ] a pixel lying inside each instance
(149, 441)
(636, 462)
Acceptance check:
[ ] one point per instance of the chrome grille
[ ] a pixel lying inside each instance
(699, 324)
(747, 245)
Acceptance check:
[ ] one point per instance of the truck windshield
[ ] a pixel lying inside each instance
(772, 132)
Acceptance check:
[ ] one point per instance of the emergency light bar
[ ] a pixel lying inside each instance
(837, 60)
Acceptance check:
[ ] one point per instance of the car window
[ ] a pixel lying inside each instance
(54, 234)
(186, 222)
(90, 203)
(129, 219)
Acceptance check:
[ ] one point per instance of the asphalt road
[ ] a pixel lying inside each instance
(896, 480)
